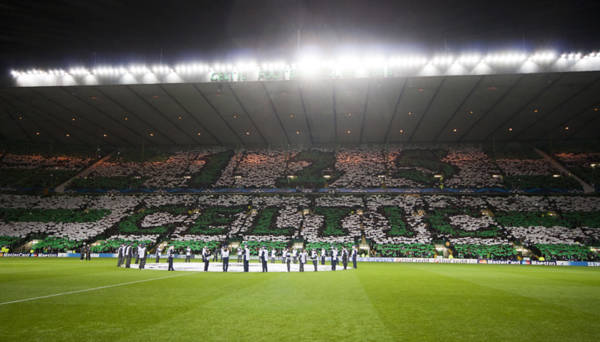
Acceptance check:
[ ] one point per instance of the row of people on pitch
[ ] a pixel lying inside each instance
(273, 254)
(302, 257)
(127, 251)
(263, 255)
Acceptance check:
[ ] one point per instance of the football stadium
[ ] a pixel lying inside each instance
(266, 184)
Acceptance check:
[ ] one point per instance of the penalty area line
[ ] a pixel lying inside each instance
(91, 289)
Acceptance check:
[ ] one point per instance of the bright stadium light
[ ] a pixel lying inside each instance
(469, 59)
(506, 58)
(347, 62)
(78, 71)
(443, 60)
(375, 61)
(543, 57)
(138, 69)
(310, 65)
(161, 69)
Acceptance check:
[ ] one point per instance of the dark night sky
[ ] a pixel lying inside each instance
(61, 33)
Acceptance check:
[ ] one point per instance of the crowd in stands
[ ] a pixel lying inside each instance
(498, 251)
(35, 161)
(488, 222)
(584, 165)
(254, 169)
(151, 169)
(24, 171)
(566, 252)
(359, 167)
(475, 169)
(554, 226)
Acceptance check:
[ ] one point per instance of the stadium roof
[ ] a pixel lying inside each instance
(463, 108)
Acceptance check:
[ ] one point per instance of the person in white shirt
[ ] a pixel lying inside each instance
(314, 257)
(139, 254)
(323, 256)
(273, 255)
(188, 254)
(142, 254)
(302, 257)
(170, 256)
(334, 258)
(239, 254)
(158, 251)
(246, 258)
(225, 257)
(206, 257)
(263, 256)
(295, 255)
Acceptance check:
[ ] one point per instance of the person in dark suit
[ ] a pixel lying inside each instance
(216, 255)
(354, 256)
(170, 256)
(128, 255)
(344, 257)
(262, 255)
(246, 258)
(206, 257)
(225, 257)
(314, 257)
(287, 257)
(334, 258)
(120, 253)
(88, 253)
(136, 252)
(82, 252)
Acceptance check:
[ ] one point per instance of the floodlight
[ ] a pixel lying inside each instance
(469, 59)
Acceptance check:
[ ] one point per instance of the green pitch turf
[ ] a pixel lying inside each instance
(95, 301)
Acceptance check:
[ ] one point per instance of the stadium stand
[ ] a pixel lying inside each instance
(391, 225)
(465, 167)
(475, 201)
(25, 170)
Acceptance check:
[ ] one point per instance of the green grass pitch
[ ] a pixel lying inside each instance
(96, 301)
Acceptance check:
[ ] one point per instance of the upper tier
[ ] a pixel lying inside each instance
(376, 168)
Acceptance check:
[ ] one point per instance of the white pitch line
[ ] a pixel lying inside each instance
(90, 289)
